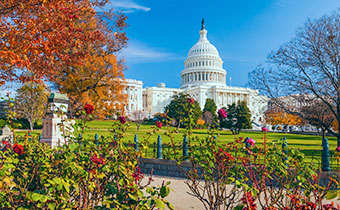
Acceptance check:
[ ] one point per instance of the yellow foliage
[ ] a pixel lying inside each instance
(283, 118)
(200, 122)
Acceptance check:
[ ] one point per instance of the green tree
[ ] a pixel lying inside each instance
(238, 118)
(243, 117)
(178, 109)
(30, 102)
(211, 107)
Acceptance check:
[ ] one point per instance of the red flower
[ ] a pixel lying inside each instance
(338, 149)
(264, 129)
(222, 113)
(5, 142)
(191, 100)
(18, 148)
(122, 119)
(97, 160)
(159, 124)
(88, 108)
(138, 174)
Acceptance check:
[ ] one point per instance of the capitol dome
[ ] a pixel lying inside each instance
(203, 65)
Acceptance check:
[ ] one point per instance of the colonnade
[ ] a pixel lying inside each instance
(226, 98)
(203, 76)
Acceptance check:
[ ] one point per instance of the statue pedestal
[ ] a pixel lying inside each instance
(55, 128)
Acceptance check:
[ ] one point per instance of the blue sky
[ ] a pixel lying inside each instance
(161, 32)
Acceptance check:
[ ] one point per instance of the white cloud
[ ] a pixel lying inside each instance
(138, 52)
(126, 6)
(282, 3)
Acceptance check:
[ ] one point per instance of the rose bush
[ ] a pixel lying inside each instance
(83, 174)
(244, 176)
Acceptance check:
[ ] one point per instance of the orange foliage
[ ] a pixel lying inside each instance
(98, 82)
(40, 36)
(66, 42)
(282, 118)
(200, 122)
(335, 125)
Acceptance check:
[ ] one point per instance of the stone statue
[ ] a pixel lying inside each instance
(203, 26)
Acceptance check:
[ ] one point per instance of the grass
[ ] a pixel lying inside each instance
(308, 144)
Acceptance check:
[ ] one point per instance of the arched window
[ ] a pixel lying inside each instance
(199, 63)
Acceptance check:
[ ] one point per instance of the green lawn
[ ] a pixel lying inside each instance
(308, 144)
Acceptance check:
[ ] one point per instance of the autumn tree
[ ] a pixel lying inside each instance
(138, 117)
(38, 36)
(308, 65)
(59, 40)
(30, 102)
(98, 82)
(208, 117)
(273, 117)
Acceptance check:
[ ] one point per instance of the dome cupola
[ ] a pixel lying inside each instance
(203, 65)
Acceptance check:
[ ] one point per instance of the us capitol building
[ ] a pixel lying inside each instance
(203, 77)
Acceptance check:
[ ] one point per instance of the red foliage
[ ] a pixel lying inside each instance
(122, 119)
(97, 160)
(89, 109)
(18, 148)
(191, 100)
(159, 124)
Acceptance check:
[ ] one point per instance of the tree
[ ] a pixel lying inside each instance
(178, 109)
(317, 110)
(98, 81)
(30, 102)
(138, 117)
(281, 118)
(243, 117)
(238, 117)
(210, 106)
(38, 37)
(67, 43)
(208, 117)
(308, 66)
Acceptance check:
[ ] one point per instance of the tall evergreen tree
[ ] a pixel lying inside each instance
(238, 118)
(210, 106)
(178, 109)
(243, 117)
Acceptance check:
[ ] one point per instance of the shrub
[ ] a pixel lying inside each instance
(82, 174)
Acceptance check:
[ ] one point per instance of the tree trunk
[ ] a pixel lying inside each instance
(31, 124)
(323, 133)
(179, 124)
(138, 126)
(338, 137)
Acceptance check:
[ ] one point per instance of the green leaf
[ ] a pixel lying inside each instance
(170, 206)
(165, 191)
(132, 197)
(36, 196)
(51, 206)
(331, 194)
(159, 204)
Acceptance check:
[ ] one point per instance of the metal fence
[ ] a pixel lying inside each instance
(165, 151)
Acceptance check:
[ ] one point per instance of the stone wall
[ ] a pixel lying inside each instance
(163, 167)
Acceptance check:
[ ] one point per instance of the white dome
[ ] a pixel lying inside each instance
(203, 47)
(203, 66)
